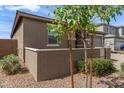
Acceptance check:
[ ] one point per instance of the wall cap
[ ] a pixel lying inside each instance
(58, 49)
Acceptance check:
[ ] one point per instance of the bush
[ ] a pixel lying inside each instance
(122, 70)
(101, 67)
(10, 64)
(122, 67)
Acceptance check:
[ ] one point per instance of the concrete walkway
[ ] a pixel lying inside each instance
(117, 59)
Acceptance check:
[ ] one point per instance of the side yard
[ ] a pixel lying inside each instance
(25, 80)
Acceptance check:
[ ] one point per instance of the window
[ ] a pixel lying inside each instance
(106, 29)
(51, 38)
(112, 30)
(51, 35)
(109, 30)
(122, 31)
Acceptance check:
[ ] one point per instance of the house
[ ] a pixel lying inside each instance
(114, 37)
(37, 47)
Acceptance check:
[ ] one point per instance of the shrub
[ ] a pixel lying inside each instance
(10, 64)
(122, 67)
(122, 70)
(101, 67)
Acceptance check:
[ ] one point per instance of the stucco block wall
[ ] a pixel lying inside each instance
(34, 33)
(7, 47)
(110, 42)
(52, 63)
(32, 62)
(107, 53)
(100, 28)
(19, 36)
(98, 41)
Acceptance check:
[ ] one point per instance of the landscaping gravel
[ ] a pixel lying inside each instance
(117, 59)
(26, 80)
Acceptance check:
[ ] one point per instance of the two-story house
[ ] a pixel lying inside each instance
(114, 37)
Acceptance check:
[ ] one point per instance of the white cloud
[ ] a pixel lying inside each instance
(33, 8)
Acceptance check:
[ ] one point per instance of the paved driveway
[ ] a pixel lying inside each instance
(117, 59)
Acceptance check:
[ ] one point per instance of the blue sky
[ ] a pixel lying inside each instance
(7, 15)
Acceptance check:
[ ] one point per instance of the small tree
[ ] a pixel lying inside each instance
(70, 18)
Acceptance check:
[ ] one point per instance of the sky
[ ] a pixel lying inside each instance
(7, 15)
(8, 12)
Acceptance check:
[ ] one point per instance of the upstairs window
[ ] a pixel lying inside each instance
(122, 31)
(51, 35)
(112, 30)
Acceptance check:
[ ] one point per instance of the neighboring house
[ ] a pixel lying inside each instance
(114, 37)
(39, 50)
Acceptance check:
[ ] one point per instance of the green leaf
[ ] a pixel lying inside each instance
(83, 14)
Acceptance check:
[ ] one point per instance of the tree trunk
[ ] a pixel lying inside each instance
(85, 59)
(70, 58)
(83, 34)
(91, 61)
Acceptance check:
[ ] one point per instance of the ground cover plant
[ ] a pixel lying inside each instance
(10, 64)
(101, 67)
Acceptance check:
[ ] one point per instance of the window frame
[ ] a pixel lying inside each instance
(49, 44)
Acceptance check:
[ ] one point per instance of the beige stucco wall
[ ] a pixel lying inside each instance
(118, 43)
(98, 41)
(100, 28)
(19, 36)
(120, 31)
(33, 33)
(31, 62)
(7, 47)
(36, 35)
(52, 63)
(110, 42)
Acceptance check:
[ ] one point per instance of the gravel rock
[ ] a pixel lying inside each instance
(26, 80)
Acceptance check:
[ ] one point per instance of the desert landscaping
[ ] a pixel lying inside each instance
(68, 50)
(24, 79)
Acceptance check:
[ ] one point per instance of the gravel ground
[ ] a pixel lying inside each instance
(117, 59)
(25, 80)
